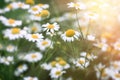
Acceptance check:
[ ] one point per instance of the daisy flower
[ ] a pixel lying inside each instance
(34, 37)
(23, 5)
(20, 69)
(11, 48)
(44, 6)
(62, 64)
(50, 27)
(76, 5)
(12, 22)
(56, 72)
(81, 63)
(35, 10)
(42, 45)
(30, 78)
(14, 33)
(34, 28)
(70, 35)
(7, 60)
(91, 37)
(33, 57)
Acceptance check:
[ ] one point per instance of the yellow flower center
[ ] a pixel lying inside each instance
(31, 79)
(81, 61)
(20, 67)
(117, 75)
(44, 43)
(20, 4)
(34, 9)
(34, 28)
(11, 21)
(34, 36)
(34, 56)
(58, 72)
(62, 62)
(45, 13)
(30, 1)
(70, 33)
(76, 5)
(50, 26)
(15, 30)
(10, 46)
(104, 74)
(9, 6)
(53, 63)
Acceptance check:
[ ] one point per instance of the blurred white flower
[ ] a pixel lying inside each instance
(30, 78)
(33, 57)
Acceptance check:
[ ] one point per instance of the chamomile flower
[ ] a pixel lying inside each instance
(14, 33)
(34, 37)
(81, 63)
(11, 48)
(62, 64)
(33, 57)
(44, 6)
(42, 45)
(70, 35)
(34, 28)
(20, 69)
(56, 72)
(77, 5)
(7, 60)
(91, 37)
(50, 27)
(35, 10)
(23, 5)
(12, 22)
(30, 78)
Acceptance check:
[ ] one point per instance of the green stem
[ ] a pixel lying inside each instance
(79, 25)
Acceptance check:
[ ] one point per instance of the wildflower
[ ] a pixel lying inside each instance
(56, 72)
(81, 63)
(34, 37)
(44, 6)
(90, 37)
(11, 48)
(45, 13)
(30, 78)
(76, 5)
(20, 69)
(50, 27)
(62, 64)
(33, 57)
(34, 28)
(14, 33)
(42, 45)
(23, 5)
(12, 22)
(35, 10)
(7, 60)
(70, 35)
